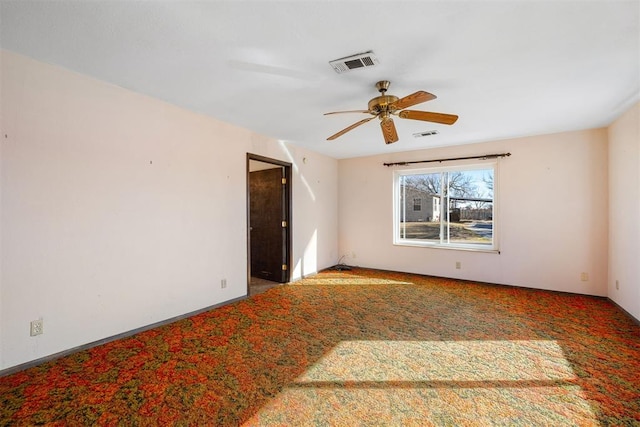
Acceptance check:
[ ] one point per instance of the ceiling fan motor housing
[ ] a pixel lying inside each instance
(381, 103)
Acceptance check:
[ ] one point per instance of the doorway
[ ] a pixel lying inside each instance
(268, 223)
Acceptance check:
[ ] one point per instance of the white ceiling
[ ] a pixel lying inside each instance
(507, 68)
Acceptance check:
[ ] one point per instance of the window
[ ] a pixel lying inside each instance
(458, 204)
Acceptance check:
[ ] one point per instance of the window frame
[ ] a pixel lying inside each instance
(458, 167)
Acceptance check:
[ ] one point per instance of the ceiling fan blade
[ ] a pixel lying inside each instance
(413, 99)
(349, 111)
(445, 119)
(353, 126)
(388, 130)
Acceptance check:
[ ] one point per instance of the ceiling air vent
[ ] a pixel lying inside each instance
(353, 62)
(426, 133)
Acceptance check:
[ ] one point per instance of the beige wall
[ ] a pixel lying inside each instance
(624, 211)
(552, 217)
(118, 210)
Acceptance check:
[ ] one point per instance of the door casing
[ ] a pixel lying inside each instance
(287, 213)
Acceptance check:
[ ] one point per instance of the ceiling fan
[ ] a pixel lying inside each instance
(384, 106)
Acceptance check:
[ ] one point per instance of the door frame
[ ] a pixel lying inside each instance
(287, 212)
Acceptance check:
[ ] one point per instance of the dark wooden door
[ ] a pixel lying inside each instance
(268, 232)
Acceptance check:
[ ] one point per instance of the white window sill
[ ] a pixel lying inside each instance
(467, 248)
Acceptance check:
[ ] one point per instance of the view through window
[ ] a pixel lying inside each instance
(457, 207)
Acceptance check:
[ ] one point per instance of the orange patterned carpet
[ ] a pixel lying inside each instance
(354, 348)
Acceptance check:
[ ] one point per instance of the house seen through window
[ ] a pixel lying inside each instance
(446, 207)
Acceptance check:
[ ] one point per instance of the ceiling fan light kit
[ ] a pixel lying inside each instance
(384, 106)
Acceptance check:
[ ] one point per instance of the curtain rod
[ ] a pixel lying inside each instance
(485, 157)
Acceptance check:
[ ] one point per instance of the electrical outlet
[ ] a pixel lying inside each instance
(353, 254)
(223, 283)
(584, 277)
(617, 285)
(458, 265)
(36, 327)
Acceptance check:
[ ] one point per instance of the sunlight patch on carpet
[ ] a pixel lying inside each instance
(418, 407)
(443, 382)
(338, 280)
(441, 361)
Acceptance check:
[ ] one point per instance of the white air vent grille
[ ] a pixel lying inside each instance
(426, 133)
(353, 62)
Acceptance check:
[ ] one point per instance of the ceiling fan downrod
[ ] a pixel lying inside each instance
(381, 104)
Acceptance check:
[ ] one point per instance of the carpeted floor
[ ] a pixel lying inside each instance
(355, 348)
(258, 285)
